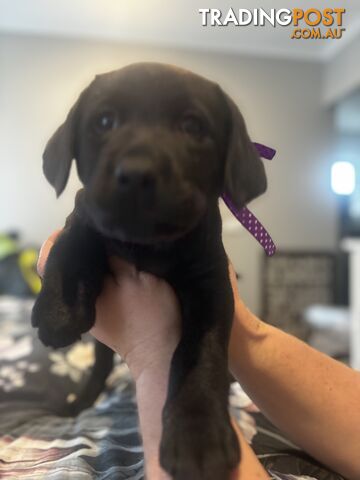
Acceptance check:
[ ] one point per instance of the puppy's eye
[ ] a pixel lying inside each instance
(193, 125)
(105, 121)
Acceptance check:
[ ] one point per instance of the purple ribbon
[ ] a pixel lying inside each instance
(248, 219)
(265, 152)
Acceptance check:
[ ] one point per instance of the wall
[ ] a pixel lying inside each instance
(342, 73)
(281, 101)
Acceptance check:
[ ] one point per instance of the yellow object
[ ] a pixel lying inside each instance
(27, 261)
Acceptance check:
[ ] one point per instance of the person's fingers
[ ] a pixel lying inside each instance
(240, 305)
(119, 266)
(249, 466)
(44, 252)
(233, 278)
(235, 474)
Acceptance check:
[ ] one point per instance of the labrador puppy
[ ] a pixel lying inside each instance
(155, 147)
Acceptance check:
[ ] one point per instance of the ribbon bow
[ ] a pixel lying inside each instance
(248, 219)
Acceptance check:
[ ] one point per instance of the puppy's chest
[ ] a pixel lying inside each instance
(181, 261)
(157, 261)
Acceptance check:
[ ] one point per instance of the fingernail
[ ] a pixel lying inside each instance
(39, 265)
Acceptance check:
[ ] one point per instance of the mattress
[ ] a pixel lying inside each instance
(38, 440)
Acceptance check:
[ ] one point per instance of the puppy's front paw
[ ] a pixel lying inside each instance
(198, 445)
(58, 323)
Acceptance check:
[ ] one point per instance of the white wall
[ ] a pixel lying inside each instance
(342, 73)
(281, 100)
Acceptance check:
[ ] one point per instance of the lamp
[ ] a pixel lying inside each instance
(343, 178)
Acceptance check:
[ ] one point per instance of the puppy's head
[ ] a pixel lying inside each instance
(154, 146)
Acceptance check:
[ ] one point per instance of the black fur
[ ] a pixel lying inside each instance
(155, 147)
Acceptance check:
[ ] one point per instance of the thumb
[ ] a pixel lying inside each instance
(44, 252)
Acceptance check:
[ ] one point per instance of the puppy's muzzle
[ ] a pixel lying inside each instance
(136, 178)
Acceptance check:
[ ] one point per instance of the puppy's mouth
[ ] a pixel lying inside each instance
(170, 221)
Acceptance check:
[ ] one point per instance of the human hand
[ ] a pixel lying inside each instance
(246, 325)
(137, 314)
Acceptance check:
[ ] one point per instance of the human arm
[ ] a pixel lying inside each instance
(138, 317)
(312, 398)
(150, 402)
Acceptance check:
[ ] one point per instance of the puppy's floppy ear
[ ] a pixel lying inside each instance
(245, 176)
(60, 151)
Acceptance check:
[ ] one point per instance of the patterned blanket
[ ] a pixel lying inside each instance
(38, 442)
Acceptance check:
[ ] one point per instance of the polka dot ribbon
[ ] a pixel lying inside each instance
(248, 219)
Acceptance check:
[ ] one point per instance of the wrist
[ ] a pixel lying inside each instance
(154, 368)
(149, 357)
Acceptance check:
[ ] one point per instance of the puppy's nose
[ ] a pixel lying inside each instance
(131, 178)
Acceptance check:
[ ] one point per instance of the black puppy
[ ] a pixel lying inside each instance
(155, 147)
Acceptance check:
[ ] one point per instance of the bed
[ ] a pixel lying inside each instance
(38, 442)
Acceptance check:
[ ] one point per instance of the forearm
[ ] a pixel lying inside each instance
(151, 390)
(151, 393)
(314, 399)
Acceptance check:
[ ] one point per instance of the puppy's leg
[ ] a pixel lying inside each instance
(95, 384)
(198, 441)
(73, 279)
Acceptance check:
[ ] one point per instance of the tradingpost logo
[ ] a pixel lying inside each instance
(307, 24)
